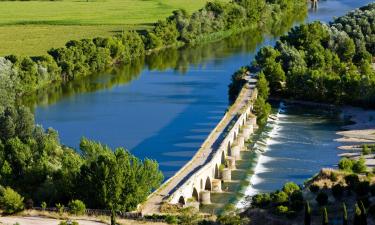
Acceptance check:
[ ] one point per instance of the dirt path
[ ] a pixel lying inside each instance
(36, 220)
(152, 205)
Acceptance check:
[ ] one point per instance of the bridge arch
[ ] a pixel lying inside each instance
(195, 194)
(201, 184)
(181, 200)
(234, 136)
(223, 157)
(208, 185)
(229, 149)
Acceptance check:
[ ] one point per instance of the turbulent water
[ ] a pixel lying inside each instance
(163, 106)
(298, 141)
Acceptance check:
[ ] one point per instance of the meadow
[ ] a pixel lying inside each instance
(33, 27)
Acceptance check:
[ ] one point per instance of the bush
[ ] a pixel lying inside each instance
(359, 166)
(68, 222)
(333, 176)
(43, 205)
(290, 187)
(314, 188)
(297, 201)
(60, 208)
(366, 150)
(261, 200)
(345, 164)
(282, 210)
(322, 198)
(171, 219)
(77, 207)
(279, 197)
(10, 201)
(337, 191)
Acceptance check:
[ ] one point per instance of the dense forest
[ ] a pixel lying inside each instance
(328, 63)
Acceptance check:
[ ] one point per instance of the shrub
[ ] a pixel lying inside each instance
(43, 205)
(171, 219)
(366, 150)
(333, 176)
(77, 207)
(296, 201)
(279, 197)
(322, 198)
(314, 188)
(68, 222)
(282, 210)
(337, 191)
(359, 166)
(346, 164)
(261, 200)
(10, 201)
(60, 208)
(290, 187)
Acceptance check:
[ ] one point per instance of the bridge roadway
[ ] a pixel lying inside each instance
(203, 155)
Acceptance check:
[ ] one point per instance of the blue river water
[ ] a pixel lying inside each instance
(164, 106)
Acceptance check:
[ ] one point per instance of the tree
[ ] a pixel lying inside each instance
(10, 201)
(290, 187)
(346, 164)
(307, 220)
(357, 215)
(359, 166)
(262, 86)
(344, 215)
(325, 216)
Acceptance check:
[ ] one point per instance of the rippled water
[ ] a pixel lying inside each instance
(163, 106)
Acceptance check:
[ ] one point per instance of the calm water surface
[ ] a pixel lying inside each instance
(163, 106)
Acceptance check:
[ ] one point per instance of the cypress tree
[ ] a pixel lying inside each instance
(363, 213)
(307, 214)
(345, 215)
(357, 215)
(325, 216)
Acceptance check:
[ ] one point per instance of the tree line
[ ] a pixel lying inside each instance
(87, 56)
(325, 62)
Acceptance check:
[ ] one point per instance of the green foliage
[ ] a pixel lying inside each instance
(366, 150)
(43, 205)
(329, 63)
(261, 200)
(279, 197)
(10, 201)
(68, 222)
(60, 208)
(77, 207)
(282, 210)
(237, 82)
(307, 218)
(359, 166)
(262, 109)
(345, 164)
(263, 86)
(290, 188)
(325, 216)
(344, 215)
(322, 198)
(357, 215)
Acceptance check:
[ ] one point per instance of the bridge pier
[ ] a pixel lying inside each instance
(231, 162)
(241, 141)
(216, 185)
(205, 197)
(226, 174)
(236, 152)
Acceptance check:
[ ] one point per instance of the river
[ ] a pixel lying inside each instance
(164, 105)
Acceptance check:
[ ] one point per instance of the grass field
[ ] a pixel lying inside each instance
(33, 27)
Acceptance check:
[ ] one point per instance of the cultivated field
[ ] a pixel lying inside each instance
(33, 27)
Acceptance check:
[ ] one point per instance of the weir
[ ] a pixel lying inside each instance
(213, 163)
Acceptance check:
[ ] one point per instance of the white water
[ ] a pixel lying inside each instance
(261, 146)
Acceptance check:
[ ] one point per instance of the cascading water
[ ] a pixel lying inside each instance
(266, 139)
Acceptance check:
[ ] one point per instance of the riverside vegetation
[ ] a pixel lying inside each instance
(323, 63)
(36, 166)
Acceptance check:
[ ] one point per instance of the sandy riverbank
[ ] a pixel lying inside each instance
(362, 131)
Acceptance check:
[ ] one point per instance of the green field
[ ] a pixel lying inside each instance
(33, 27)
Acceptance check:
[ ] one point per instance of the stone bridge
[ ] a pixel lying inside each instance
(193, 184)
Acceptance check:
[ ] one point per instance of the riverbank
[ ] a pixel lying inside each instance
(362, 131)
